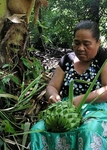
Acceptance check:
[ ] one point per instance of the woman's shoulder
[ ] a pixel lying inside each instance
(101, 55)
(71, 55)
(67, 58)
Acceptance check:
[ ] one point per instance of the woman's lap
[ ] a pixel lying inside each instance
(91, 135)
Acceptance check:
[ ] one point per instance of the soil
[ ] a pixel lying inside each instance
(50, 57)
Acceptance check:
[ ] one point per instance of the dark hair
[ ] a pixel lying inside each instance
(89, 25)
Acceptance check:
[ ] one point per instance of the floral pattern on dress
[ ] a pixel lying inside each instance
(46, 147)
(104, 125)
(61, 144)
(97, 142)
(88, 76)
(80, 143)
(88, 120)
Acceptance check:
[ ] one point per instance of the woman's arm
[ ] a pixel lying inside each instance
(53, 88)
(100, 93)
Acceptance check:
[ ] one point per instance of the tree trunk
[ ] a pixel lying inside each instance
(94, 10)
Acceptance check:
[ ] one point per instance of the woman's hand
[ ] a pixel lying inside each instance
(54, 98)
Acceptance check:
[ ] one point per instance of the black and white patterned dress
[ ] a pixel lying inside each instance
(67, 65)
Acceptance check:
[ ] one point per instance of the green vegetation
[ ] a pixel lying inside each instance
(53, 29)
(14, 103)
(59, 19)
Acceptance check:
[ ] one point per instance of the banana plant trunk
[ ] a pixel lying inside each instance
(13, 35)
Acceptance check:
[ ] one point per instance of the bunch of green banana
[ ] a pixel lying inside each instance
(59, 117)
(64, 116)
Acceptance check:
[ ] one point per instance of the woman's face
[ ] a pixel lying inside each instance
(85, 45)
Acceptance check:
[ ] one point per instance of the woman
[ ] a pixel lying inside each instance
(86, 59)
(84, 63)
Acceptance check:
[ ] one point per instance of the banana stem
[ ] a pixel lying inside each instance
(70, 97)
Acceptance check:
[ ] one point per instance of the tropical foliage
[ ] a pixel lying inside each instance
(21, 73)
(60, 18)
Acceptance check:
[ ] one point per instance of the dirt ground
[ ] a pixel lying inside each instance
(51, 57)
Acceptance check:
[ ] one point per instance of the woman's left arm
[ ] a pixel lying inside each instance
(100, 93)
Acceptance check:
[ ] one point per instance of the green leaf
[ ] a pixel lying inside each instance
(26, 128)
(70, 97)
(6, 65)
(34, 82)
(15, 79)
(6, 95)
(1, 143)
(8, 127)
(6, 79)
(26, 63)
